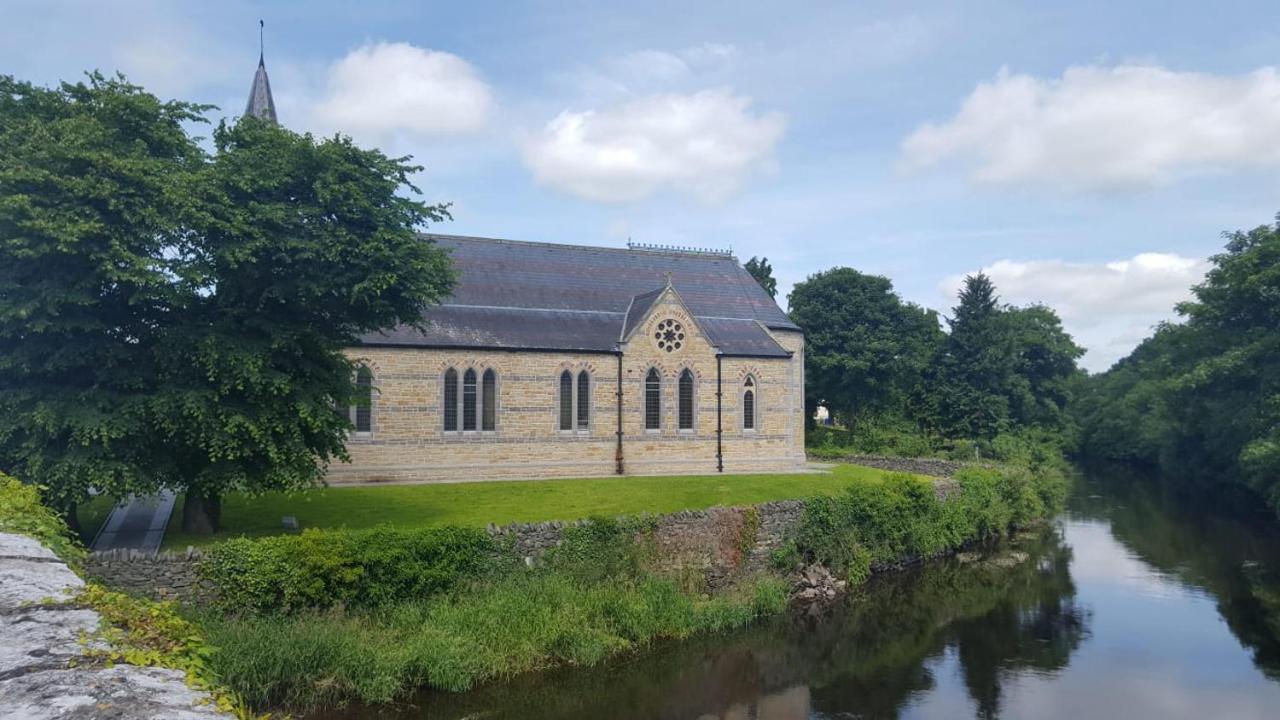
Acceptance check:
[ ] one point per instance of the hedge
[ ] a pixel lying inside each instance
(903, 518)
(323, 568)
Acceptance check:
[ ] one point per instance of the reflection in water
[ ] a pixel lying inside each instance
(1113, 611)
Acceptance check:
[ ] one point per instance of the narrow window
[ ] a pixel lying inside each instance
(749, 405)
(686, 400)
(469, 400)
(362, 411)
(566, 400)
(489, 400)
(652, 400)
(584, 400)
(450, 400)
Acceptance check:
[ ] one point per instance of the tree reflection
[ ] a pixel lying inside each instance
(1222, 544)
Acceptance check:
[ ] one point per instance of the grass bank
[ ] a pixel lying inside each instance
(595, 596)
(477, 504)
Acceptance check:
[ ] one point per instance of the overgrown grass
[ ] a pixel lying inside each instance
(477, 504)
(592, 598)
(522, 624)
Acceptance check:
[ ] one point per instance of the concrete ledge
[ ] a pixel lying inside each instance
(46, 669)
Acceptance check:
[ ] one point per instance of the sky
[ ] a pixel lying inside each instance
(1087, 155)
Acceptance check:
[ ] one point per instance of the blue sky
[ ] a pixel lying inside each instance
(1087, 155)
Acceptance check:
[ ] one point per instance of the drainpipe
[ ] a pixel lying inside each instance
(617, 455)
(719, 426)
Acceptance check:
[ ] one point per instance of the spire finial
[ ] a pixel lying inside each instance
(260, 104)
(667, 275)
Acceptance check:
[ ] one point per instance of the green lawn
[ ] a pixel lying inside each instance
(477, 504)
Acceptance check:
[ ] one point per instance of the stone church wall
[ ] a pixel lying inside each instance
(408, 443)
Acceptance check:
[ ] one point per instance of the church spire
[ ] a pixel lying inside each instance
(260, 104)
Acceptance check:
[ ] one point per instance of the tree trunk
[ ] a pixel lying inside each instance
(201, 513)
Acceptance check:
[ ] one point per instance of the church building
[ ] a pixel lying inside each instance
(553, 360)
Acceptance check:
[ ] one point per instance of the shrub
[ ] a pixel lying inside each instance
(603, 548)
(321, 568)
(902, 517)
(22, 512)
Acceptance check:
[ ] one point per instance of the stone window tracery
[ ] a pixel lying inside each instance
(669, 335)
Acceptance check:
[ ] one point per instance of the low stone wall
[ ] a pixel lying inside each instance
(716, 542)
(47, 667)
(163, 576)
(933, 467)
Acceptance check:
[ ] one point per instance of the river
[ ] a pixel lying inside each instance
(1133, 604)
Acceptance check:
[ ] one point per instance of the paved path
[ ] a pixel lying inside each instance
(136, 524)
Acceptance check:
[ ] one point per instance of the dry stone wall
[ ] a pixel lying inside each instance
(161, 576)
(716, 542)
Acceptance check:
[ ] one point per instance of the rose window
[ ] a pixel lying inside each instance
(670, 335)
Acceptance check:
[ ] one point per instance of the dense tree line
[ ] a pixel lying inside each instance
(174, 317)
(1200, 399)
(872, 358)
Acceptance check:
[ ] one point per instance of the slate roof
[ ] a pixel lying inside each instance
(546, 296)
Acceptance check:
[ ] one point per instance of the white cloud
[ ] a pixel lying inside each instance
(1104, 127)
(706, 143)
(1107, 307)
(384, 90)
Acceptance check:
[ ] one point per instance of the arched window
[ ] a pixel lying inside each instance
(653, 400)
(450, 400)
(584, 400)
(566, 400)
(362, 405)
(749, 404)
(469, 399)
(686, 399)
(488, 400)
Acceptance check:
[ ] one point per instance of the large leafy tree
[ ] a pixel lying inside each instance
(762, 271)
(1045, 367)
(174, 319)
(94, 181)
(1201, 400)
(866, 349)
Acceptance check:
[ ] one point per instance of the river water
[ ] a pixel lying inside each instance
(1133, 604)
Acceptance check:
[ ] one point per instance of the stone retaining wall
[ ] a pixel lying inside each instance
(47, 669)
(163, 576)
(716, 542)
(933, 467)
